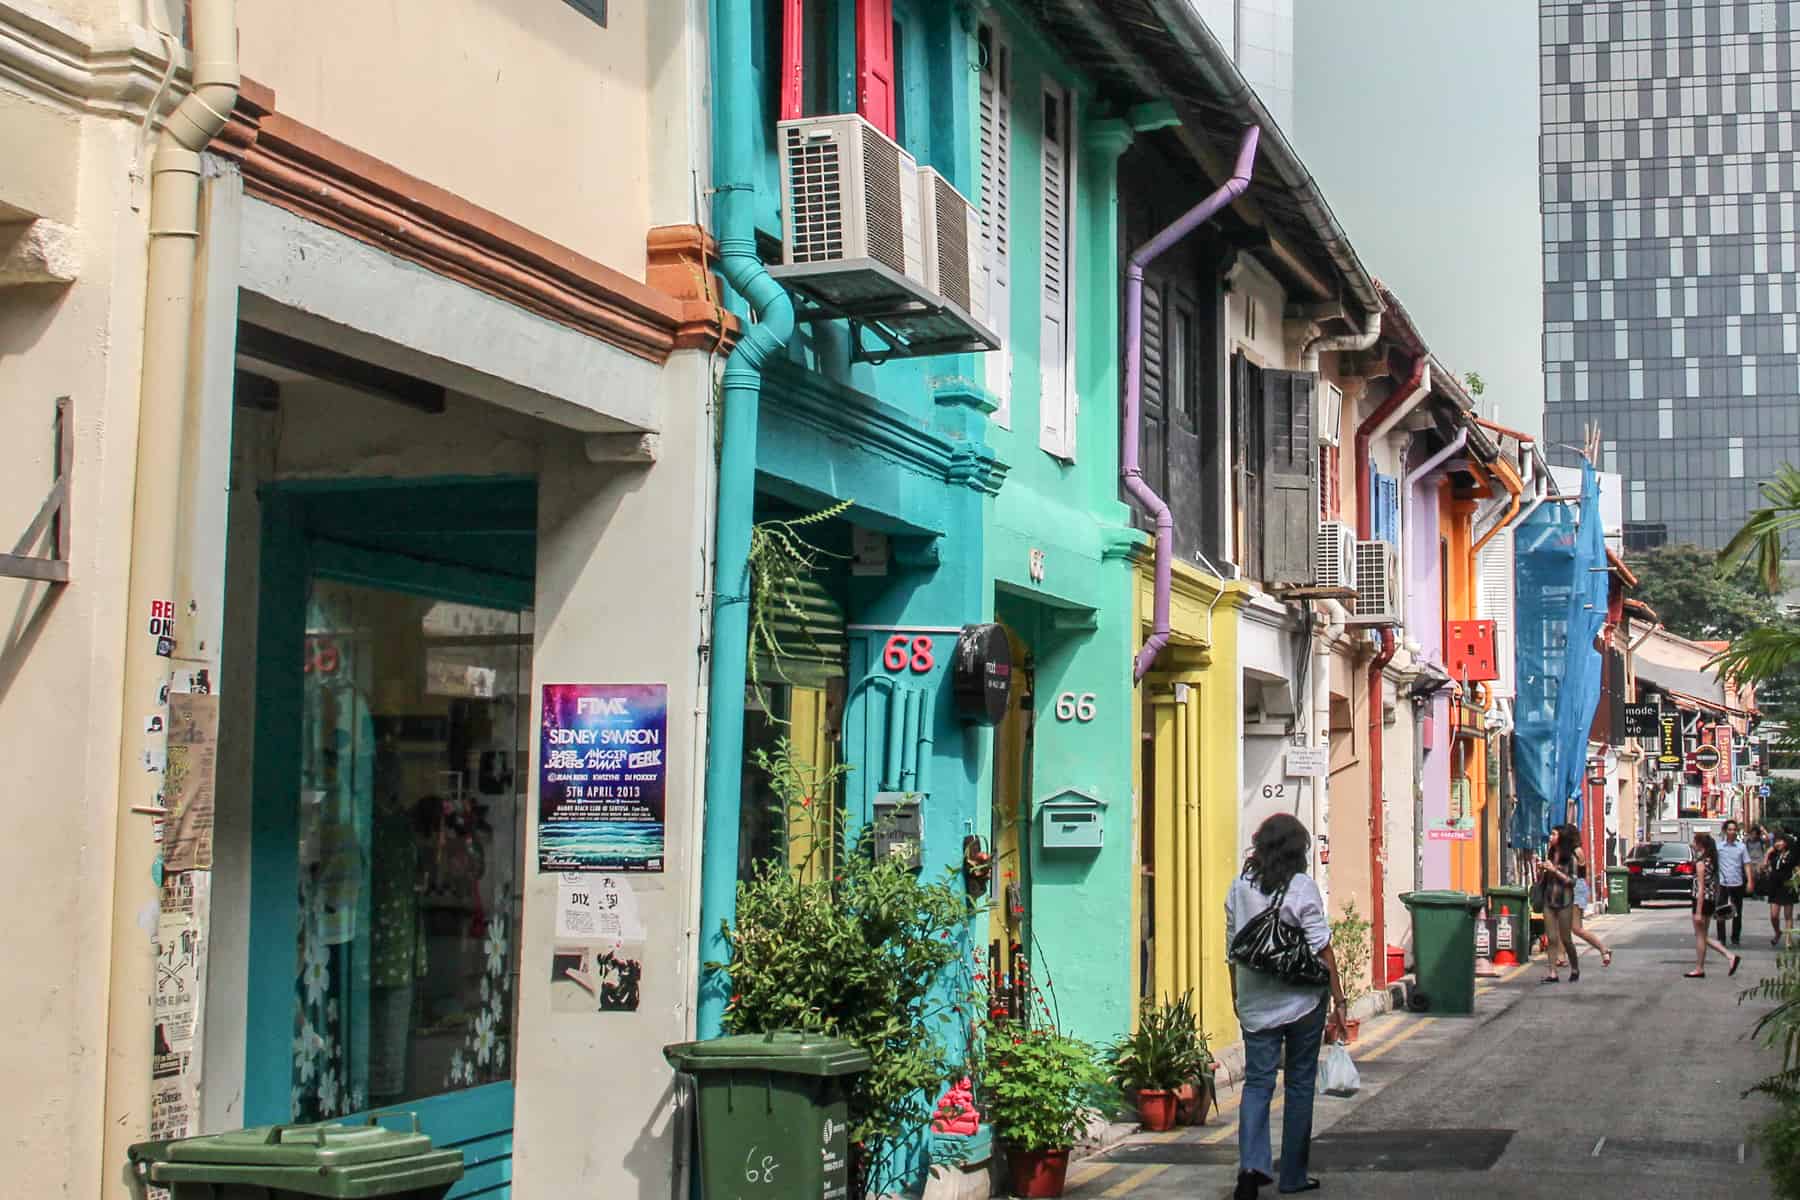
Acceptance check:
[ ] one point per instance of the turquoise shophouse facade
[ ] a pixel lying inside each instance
(982, 484)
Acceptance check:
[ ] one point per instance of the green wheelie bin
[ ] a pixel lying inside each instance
(1618, 889)
(1444, 949)
(1513, 905)
(772, 1113)
(281, 1162)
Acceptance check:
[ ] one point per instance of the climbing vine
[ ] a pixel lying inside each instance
(781, 561)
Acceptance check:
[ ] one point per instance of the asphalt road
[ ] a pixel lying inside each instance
(1625, 1084)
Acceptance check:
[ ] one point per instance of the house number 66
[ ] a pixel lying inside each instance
(1070, 707)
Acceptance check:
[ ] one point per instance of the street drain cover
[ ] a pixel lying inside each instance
(1388, 1150)
(1411, 1150)
(1730, 1153)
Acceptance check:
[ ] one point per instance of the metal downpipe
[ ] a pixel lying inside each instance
(734, 147)
(1130, 469)
(169, 287)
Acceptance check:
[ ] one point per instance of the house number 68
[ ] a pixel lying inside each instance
(1070, 707)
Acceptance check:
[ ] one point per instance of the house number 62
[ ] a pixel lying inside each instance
(1070, 707)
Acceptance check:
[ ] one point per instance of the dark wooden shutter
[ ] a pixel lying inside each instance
(1290, 521)
(1153, 426)
(1246, 397)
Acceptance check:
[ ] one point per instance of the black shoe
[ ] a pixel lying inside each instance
(1311, 1185)
(1248, 1184)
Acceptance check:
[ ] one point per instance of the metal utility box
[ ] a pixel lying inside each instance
(900, 826)
(1073, 820)
(1469, 651)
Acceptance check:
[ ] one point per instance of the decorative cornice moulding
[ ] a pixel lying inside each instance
(114, 74)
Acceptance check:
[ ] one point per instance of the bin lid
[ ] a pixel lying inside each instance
(317, 1147)
(789, 1052)
(1440, 900)
(413, 1175)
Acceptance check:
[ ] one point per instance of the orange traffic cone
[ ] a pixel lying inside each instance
(1503, 940)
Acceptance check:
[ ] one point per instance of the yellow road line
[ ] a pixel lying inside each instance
(1087, 1172)
(1414, 1032)
(1130, 1183)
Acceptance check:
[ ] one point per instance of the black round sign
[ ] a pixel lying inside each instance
(1706, 758)
(981, 674)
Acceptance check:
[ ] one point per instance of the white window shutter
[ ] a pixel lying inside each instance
(1496, 603)
(1055, 431)
(996, 222)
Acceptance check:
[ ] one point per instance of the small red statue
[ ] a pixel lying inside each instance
(956, 1111)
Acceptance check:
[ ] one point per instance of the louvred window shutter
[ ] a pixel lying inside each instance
(1056, 433)
(875, 63)
(1289, 467)
(996, 221)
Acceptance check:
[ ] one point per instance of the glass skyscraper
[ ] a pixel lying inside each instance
(1670, 285)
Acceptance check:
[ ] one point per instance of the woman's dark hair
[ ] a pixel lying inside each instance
(1280, 850)
(1568, 841)
(1709, 849)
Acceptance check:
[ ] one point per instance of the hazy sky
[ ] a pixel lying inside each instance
(1419, 119)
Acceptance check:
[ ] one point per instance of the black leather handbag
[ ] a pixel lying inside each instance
(1269, 944)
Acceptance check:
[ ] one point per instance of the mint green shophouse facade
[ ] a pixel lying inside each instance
(982, 487)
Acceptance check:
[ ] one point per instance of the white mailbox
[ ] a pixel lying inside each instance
(1073, 820)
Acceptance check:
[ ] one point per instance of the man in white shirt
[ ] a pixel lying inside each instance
(1737, 875)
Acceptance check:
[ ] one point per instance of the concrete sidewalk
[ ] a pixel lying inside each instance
(1626, 1083)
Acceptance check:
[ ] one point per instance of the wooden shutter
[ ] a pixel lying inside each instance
(1384, 501)
(793, 59)
(1056, 432)
(1246, 503)
(996, 220)
(1290, 521)
(875, 63)
(1153, 417)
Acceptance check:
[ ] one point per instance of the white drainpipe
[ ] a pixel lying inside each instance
(163, 414)
(1309, 356)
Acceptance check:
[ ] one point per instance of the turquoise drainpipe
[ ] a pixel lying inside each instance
(735, 146)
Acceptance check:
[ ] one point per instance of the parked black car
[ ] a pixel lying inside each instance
(1660, 871)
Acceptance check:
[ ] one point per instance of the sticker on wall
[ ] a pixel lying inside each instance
(586, 977)
(180, 988)
(162, 626)
(602, 777)
(153, 723)
(188, 789)
(603, 907)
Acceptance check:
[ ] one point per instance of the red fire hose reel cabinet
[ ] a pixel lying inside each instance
(1469, 651)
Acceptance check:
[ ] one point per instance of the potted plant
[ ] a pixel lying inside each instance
(1039, 1089)
(1350, 942)
(1164, 1055)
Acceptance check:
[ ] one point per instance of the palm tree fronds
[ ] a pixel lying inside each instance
(1759, 541)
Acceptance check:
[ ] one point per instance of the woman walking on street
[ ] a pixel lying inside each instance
(1284, 1024)
(1556, 872)
(1778, 870)
(1707, 893)
(1571, 836)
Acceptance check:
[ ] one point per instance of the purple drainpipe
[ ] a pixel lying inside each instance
(1129, 469)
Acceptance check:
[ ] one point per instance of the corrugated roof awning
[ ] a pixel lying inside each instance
(1701, 686)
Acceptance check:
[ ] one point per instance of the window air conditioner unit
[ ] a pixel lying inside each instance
(1336, 557)
(952, 241)
(1377, 585)
(1331, 412)
(850, 199)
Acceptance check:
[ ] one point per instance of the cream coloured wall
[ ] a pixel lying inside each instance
(527, 108)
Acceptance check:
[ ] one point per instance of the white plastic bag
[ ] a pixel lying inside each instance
(1337, 1074)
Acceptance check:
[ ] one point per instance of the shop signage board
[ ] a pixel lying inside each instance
(1643, 719)
(1669, 757)
(981, 674)
(1305, 761)
(1704, 759)
(602, 777)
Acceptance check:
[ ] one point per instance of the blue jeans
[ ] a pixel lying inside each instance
(1262, 1054)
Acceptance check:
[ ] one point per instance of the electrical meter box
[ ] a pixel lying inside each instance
(900, 826)
(1469, 651)
(1073, 820)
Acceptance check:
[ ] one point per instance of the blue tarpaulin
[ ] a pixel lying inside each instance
(1560, 564)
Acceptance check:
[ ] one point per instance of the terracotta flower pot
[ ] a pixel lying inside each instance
(1156, 1109)
(1037, 1173)
(1352, 1026)
(1192, 1103)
